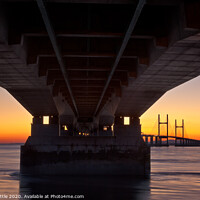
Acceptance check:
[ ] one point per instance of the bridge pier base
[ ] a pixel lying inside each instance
(122, 154)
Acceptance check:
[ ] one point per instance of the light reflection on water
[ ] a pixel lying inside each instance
(175, 175)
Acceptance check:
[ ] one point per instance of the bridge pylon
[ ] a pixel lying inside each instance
(163, 123)
(176, 127)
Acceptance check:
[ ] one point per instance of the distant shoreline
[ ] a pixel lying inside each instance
(11, 143)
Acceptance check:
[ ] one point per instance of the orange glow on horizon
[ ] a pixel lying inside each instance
(180, 103)
(15, 121)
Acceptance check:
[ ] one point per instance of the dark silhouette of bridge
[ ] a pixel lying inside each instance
(87, 64)
(157, 140)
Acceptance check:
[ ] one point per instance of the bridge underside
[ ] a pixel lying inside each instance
(86, 64)
(161, 52)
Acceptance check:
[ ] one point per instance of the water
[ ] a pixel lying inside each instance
(175, 175)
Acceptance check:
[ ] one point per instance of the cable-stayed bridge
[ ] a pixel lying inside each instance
(157, 140)
(164, 138)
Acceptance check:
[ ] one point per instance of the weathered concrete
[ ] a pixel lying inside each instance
(39, 129)
(84, 156)
(47, 130)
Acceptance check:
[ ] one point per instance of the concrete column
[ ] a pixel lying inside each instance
(160, 141)
(38, 129)
(37, 120)
(119, 120)
(146, 139)
(53, 120)
(156, 140)
(134, 129)
(135, 121)
(151, 140)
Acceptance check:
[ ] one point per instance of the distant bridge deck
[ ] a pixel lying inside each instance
(156, 140)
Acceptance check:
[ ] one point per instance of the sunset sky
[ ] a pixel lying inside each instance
(183, 102)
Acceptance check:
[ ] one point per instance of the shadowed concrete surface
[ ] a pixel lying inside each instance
(92, 187)
(86, 64)
(85, 156)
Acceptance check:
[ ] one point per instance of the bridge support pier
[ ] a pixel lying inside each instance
(160, 141)
(151, 141)
(146, 140)
(122, 154)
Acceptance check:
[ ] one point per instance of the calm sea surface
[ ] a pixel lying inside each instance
(175, 175)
